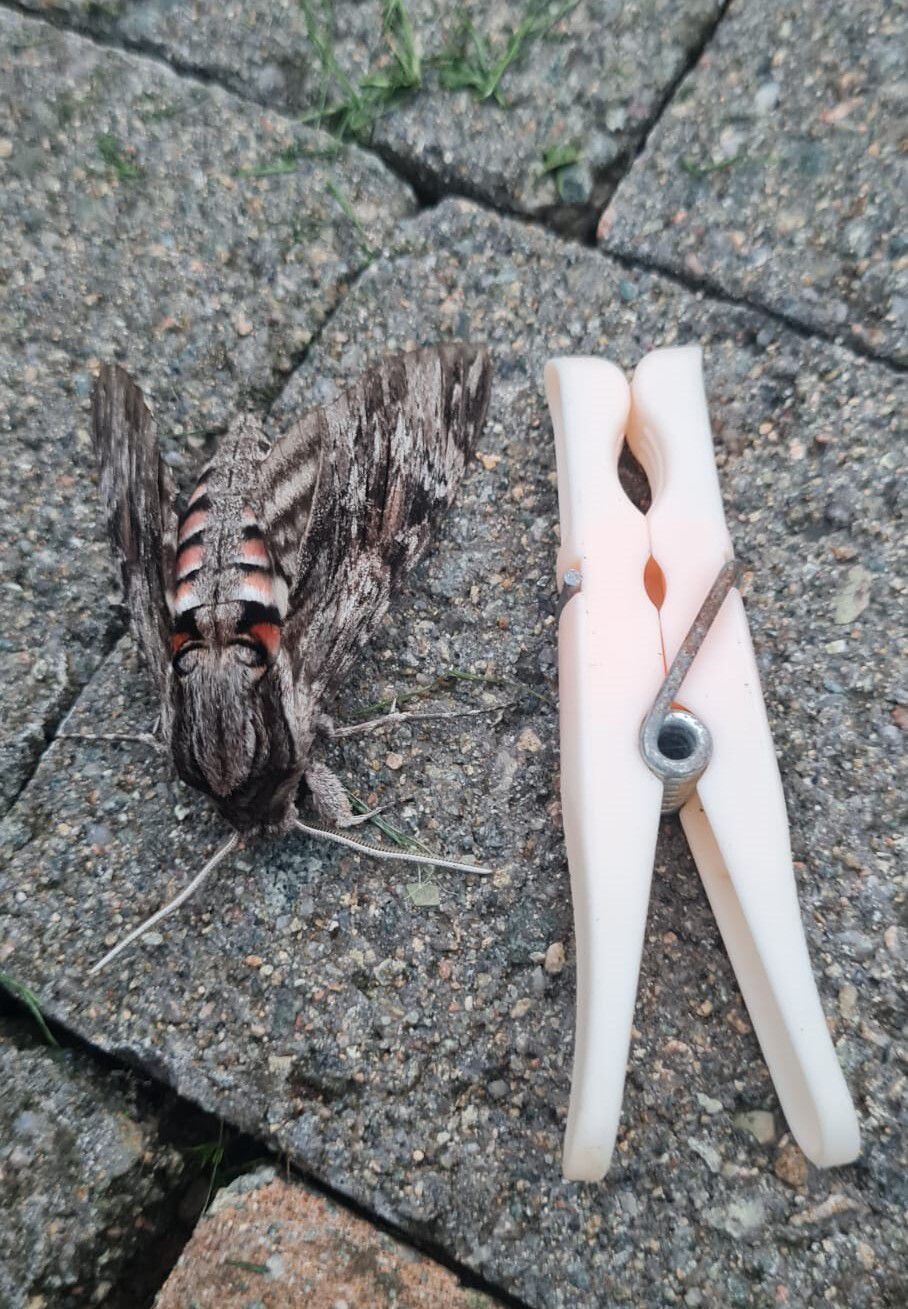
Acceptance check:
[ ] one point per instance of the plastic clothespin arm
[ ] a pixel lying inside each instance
(736, 823)
(610, 667)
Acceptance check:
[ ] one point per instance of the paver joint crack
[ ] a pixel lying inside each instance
(428, 193)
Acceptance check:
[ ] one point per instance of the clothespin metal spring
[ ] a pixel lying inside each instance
(675, 744)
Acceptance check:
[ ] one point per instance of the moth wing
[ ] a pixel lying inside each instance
(139, 498)
(351, 492)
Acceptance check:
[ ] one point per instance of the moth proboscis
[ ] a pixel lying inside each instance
(251, 603)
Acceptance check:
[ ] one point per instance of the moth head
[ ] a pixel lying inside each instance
(231, 727)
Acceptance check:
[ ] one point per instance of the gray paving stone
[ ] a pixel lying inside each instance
(418, 1059)
(82, 1177)
(594, 82)
(776, 172)
(133, 229)
(57, 598)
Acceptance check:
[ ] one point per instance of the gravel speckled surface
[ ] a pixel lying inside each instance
(419, 1058)
(137, 223)
(593, 83)
(132, 229)
(81, 1174)
(776, 173)
(57, 600)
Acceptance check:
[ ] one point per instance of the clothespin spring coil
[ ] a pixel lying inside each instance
(675, 744)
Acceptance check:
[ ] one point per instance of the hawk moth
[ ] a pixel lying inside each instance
(251, 604)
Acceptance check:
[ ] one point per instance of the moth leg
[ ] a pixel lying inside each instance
(151, 737)
(339, 732)
(329, 799)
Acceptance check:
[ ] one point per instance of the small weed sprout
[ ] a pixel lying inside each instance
(556, 160)
(110, 151)
(470, 64)
(352, 113)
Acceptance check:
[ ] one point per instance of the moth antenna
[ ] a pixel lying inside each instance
(171, 906)
(404, 857)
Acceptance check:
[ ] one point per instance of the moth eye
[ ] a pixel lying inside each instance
(186, 660)
(251, 656)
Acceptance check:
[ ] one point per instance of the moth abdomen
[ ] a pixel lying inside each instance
(262, 623)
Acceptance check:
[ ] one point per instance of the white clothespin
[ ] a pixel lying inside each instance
(632, 586)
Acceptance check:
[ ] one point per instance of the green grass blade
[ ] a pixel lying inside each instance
(19, 991)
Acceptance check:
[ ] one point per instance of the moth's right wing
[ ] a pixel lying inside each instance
(139, 501)
(351, 493)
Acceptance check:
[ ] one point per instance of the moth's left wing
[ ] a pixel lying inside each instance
(350, 495)
(139, 502)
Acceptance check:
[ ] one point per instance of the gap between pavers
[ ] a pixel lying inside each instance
(586, 89)
(775, 173)
(558, 196)
(85, 1179)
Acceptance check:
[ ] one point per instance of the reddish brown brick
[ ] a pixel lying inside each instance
(279, 1246)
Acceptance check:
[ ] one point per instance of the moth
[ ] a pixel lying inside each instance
(251, 603)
